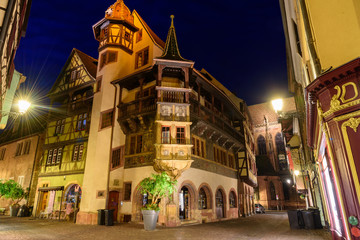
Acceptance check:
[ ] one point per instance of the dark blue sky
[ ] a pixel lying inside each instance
(241, 43)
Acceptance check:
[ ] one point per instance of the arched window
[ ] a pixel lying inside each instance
(261, 142)
(272, 191)
(232, 200)
(280, 146)
(202, 199)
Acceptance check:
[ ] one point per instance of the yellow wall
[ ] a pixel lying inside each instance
(336, 29)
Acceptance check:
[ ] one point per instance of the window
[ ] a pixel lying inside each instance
(296, 32)
(21, 180)
(261, 142)
(98, 84)
(27, 147)
(232, 200)
(165, 135)
(198, 147)
(81, 121)
(117, 158)
(2, 153)
(107, 57)
(139, 36)
(75, 74)
(127, 36)
(135, 144)
(60, 125)
(202, 199)
(231, 161)
(78, 152)
(280, 146)
(18, 149)
(180, 135)
(127, 191)
(142, 58)
(272, 191)
(54, 156)
(107, 119)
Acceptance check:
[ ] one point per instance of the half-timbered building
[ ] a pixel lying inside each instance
(155, 112)
(66, 137)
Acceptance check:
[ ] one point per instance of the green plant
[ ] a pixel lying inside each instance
(12, 190)
(156, 187)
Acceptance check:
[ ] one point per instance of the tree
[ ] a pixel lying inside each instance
(12, 190)
(157, 186)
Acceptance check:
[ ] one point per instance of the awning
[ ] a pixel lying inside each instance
(46, 189)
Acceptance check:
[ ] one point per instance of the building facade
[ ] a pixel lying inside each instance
(323, 66)
(155, 112)
(61, 171)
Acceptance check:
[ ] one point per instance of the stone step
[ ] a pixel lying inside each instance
(189, 222)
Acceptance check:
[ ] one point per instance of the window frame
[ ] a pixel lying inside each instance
(120, 160)
(145, 57)
(125, 198)
(168, 137)
(78, 151)
(180, 136)
(54, 159)
(111, 122)
(232, 201)
(105, 58)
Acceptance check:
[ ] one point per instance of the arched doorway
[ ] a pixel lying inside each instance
(72, 201)
(184, 204)
(219, 197)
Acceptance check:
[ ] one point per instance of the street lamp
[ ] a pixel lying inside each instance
(23, 106)
(277, 104)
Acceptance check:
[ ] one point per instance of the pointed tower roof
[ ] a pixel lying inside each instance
(171, 50)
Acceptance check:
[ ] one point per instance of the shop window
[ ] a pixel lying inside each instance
(107, 119)
(117, 158)
(135, 144)
(202, 199)
(60, 125)
(78, 152)
(232, 200)
(82, 121)
(165, 135)
(142, 58)
(127, 191)
(180, 135)
(107, 57)
(2, 153)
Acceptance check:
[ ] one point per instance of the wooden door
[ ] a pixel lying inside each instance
(114, 203)
(219, 204)
(44, 201)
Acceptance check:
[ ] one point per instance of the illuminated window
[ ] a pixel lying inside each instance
(78, 152)
(107, 119)
(232, 200)
(142, 57)
(82, 121)
(60, 125)
(54, 156)
(202, 199)
(180, 135)
(165, 135)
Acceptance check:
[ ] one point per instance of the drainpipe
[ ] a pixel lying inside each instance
(111, 144)
(310, 39)
(33, 169)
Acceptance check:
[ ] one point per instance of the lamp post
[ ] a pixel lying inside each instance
(22, 105)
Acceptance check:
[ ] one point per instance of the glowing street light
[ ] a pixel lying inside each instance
(277, 104)
(23, 106)
(296, 172)
(288, 181)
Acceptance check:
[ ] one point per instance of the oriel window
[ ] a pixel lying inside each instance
(165, 135)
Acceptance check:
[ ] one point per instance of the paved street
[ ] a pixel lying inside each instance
(262, 226)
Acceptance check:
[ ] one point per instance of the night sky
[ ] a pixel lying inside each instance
(241, 43)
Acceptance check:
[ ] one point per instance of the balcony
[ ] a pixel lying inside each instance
(139, 106)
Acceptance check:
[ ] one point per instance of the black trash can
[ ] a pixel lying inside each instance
(101, 216)
(317, 218)
(295, 219)
(23, 211)
(308, 217)
(109, 213)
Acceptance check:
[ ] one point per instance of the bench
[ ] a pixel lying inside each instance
(2, 211)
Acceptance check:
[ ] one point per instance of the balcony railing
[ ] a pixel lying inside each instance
(172, 96)
(138, 106)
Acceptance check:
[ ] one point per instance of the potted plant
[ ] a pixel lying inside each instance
(156, 187)
(12, 190)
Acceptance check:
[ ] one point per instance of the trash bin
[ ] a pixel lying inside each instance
(317, 218)
(295, 219)
(23, 211)
(308, 217)
(101, 216)
(109, 213)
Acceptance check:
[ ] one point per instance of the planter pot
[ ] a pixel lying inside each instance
(150, 219)
(14, 210)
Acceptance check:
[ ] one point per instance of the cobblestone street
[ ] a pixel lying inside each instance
(262, 226)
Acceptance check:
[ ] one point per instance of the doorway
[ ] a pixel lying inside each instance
(184, 204)
(219, 204)
(114, 203)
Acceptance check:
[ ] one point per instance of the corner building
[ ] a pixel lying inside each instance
(152, 112)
